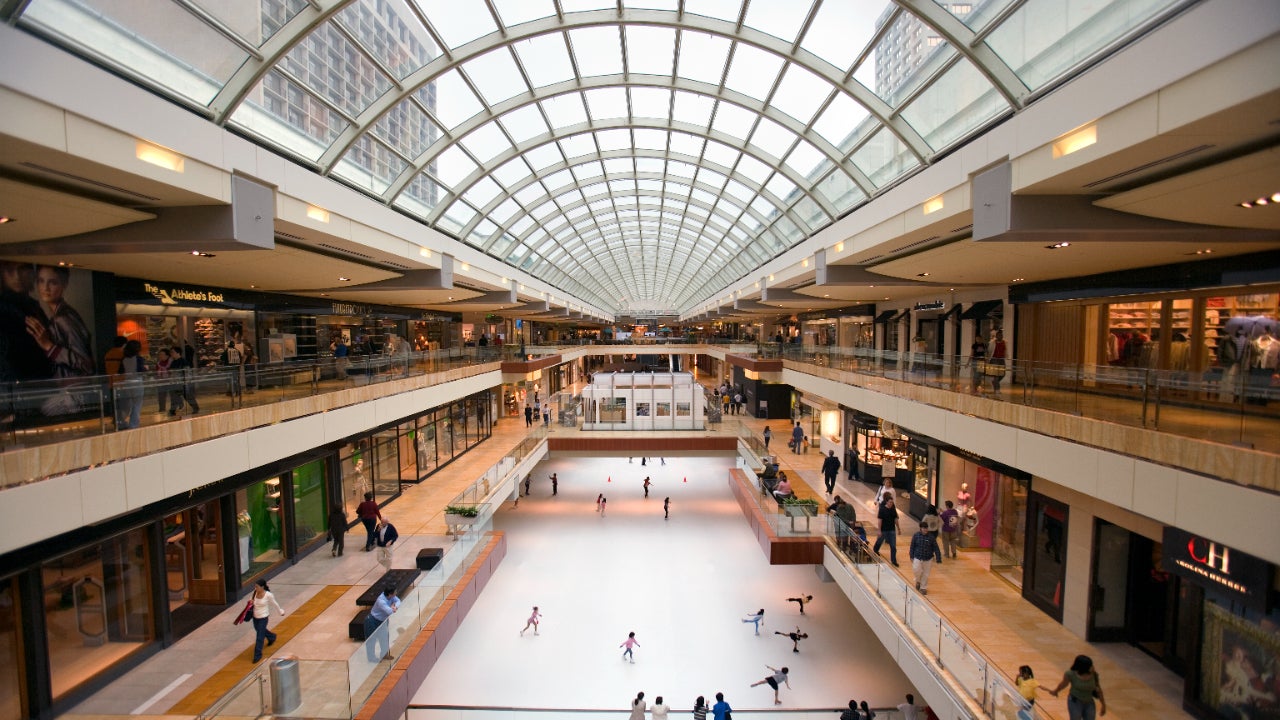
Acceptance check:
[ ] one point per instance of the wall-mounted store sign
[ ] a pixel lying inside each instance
(177, 295)
(935, 305)
(1216, 566)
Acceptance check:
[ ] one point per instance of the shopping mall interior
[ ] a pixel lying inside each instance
(266, 261)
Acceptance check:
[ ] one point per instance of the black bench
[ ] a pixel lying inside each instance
(355, 628)
(428, 558)
(401, 579)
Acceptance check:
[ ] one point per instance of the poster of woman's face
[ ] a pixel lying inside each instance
(1239, 667)
(45, 315)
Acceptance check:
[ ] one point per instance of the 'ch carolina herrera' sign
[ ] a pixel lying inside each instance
(1214, 565)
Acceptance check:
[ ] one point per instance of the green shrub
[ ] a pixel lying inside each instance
(463, 510)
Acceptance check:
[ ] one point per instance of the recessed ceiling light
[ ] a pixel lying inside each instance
(64, 263)
(6, 219)
(199, 253)
(252, 287)
(1057, 246)
(1018, 279)
(923, 274)
(826, 296)
(345, 279)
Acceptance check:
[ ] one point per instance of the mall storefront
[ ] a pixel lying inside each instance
(82, 608)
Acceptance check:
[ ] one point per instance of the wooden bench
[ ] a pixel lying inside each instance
(402, 579)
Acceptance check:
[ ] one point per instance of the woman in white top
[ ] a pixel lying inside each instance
(659, 709)
(262, 600)
(638, 707)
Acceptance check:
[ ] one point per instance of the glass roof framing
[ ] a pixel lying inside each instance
(646, 152)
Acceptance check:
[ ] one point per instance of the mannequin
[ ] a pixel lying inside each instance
(1235, 351)
(1267, 351)
(969, 521)
(963, 498)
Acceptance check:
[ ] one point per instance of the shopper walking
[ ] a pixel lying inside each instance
(921, 554)
(386, 604)
(768, 435)
(337, 529)
(637, 707)
(386, 540)
(950, 530)
(369, 515)
(996, 362)
(830, 469)
(233, 361)
(888, 516)
(263, 600)
(797, 437)
(1027, 684)
(932, 524)
(1085, 687)
(129, 390)
(755, 618)
(772, 680)
(534, 618)
(528, 415)
(630, 644)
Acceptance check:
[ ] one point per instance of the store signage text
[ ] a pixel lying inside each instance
(935, 305)
(350, 309)
(1215, 565)
(174, 295)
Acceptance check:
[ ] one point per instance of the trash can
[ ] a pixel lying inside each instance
(286, 685)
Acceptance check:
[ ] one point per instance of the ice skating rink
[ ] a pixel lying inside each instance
(682, 585)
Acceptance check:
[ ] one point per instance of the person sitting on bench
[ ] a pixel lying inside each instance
(783, 490)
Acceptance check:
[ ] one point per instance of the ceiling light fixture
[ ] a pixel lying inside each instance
(199, 253)
(839, 247)
(158, 156)
(1057, 246)
(1018, 279)
(1262, 201)
(1076, 141)
(344, 279)
(6, 219)
(318, 214)
(933, 205)
(923, 274)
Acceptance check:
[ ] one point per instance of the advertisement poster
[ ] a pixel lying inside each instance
(46, 313)
(1239, 665)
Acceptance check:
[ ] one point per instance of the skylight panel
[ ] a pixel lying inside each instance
(606, 103)
(525, 123)
(721, 154)
(733, 120)
(514, 12)
(481, 192)
(693, 109)
(495, 75)
(650, 50)
(779, 18)
(800, 93)
(511, 172)
(577, 146)
(452, 166)
(686, 144)
(543, 156)
(486, 141)
(772, 138)
(545, 58)
(650, 139)
(454, 102)
(598, 50)
(564, 111)
(650, 103)
(804, 159)
(721, 9)
(752, 71)
(844, 120)
(610, 140)
(456, 27)
(702, 56)
(841, 30)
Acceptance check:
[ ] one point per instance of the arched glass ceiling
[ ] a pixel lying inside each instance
(640, 155)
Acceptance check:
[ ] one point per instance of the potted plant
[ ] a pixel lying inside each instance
(800, 506)
(460, 515)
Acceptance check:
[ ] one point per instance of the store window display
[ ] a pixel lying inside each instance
(11, 687)
(259, 527)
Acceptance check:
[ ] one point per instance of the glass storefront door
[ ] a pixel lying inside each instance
(310, 503)
(98, 607)
(260, 534)
(12, 692)
(1045, 554)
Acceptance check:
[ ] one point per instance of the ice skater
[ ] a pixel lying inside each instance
(534, 618)
(778, 676)
(801, 601)
(755, 618)
(555, 484)
(630, 644)
(604, 504)
(646, 486)
(527, 479)
(666, 508)
(599, 501)
(796, 637)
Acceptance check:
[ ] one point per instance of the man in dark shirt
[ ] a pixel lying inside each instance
(830, 469)
(888, 515)
(921, 553)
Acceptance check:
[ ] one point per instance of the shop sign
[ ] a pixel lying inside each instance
(176, 295)
(340, 308)
(935, 305)
(1214, 565)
